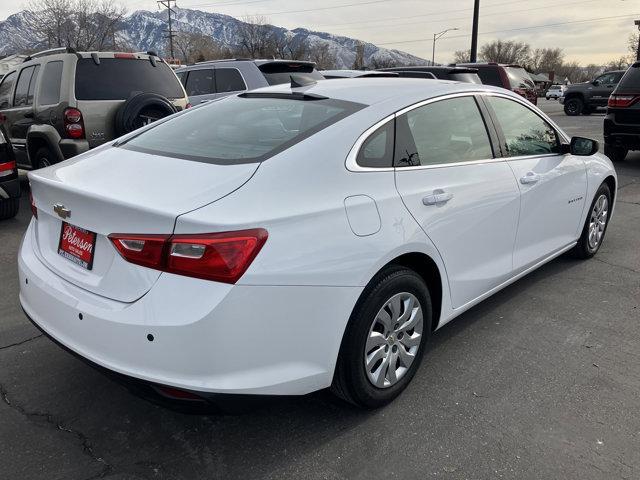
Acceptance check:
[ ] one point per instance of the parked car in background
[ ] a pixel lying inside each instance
(292, 239)
(60, 102)
(622, 122)
(511, 77)
(206, 81)
(9, 181)
(554, 91)
(585, 98)
(457, 74)
(334, 74)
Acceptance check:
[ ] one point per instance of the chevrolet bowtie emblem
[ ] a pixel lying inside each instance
(62, 211)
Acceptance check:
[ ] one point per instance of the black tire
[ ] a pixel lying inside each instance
(573, 106)
(616, 154)
(9, 208)
(547, 98)
(583, 249)
(350, 381)
(141, 109)
(44, 157)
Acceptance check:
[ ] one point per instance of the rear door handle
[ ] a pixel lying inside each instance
(437, 197)
(530, 178)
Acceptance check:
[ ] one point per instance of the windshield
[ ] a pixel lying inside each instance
(241, 129)
(118, 78)
(519, 78)
(279, 72)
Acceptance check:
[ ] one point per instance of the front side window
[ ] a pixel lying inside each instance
(229, 80)
(200, 82)
(525, 132)
(22, 88)
(240, 129)
(5, 90)
(377, 150)
(50, 85)
(607, 79)
(446, 131)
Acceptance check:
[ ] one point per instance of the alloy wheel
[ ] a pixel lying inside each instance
(394, 339)
(598, 222)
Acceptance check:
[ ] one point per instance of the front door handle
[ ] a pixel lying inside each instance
(438, 197)
(530, 178)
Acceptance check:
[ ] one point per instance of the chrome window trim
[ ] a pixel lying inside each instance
(352, 164)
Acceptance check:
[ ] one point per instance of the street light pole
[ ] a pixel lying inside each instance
(437, 36)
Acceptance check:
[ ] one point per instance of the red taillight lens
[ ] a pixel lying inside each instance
(188, 106)
(221, 257)
(34, 210)
(131, 56)
(73, 123)
(622, 101)
(7, 168)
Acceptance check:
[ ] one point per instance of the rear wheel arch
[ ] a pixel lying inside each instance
(39, 137)
(611, 183)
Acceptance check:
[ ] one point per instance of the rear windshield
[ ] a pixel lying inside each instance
(466, 77)
(240, 129)
(278, 72)
(519, 78)
(118, 78)
(630, 82)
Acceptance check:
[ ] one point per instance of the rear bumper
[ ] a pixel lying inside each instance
(619, 135)
(207, 337)
(71, 148)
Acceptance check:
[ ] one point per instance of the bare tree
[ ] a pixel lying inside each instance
(256, 37)
(621, 63)
(634, 45)
(322, 55)
(546, 59)
(505, 52)
(80, 24)
(194, 47)
(375, 63)
(462, 56)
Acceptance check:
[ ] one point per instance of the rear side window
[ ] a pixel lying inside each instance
(377, 150)
(50, 84)
(119, 78)
(241, 129)
(490, 75)
(24, 92)
(519, 78)
(525, 132)
(447, 131)
(280, 72)
(229, 80)
(630, 83)
(200, 82)
(466, 78)
(5, 90)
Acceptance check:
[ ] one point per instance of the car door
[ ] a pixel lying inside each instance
(21, 116)
(602, 87)
(464, 197)
(228, 81)
(553, 185)
(200, 85)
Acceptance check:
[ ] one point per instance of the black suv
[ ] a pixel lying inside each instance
(585, 98)
(457, 74)
(622, 123)
(60, 103)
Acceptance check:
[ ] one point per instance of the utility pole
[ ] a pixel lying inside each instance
(637, 22)
(474, 32)
(170, 35)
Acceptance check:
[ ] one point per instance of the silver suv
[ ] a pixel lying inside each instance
(206, 81)
(60, 103)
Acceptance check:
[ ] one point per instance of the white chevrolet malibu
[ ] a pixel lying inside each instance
(296, 238)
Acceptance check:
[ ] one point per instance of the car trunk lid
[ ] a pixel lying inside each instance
(110, 191)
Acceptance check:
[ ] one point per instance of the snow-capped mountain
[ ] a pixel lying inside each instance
(145, 30)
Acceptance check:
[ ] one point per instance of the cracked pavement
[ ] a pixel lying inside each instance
(540, 381)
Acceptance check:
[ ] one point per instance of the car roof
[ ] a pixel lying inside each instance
(431, 68)
(258, 62)
(354, 73)
(398, 92)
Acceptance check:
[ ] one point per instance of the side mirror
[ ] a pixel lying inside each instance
(595, 83)
(583, 147)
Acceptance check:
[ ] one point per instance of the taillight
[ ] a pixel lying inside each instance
(222, 257)
(34, 210)
(73, 123)
(131, 56)
(7, 168)
(188, 106)
(622, 101)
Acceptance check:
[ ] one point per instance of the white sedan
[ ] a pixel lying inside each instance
(301, 237)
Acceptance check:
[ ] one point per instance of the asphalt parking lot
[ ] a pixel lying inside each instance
(541, 381)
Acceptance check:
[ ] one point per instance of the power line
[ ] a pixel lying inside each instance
(170, 35)
(344, 5)
(515, 29)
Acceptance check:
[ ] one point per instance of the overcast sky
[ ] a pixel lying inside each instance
(593, 36)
